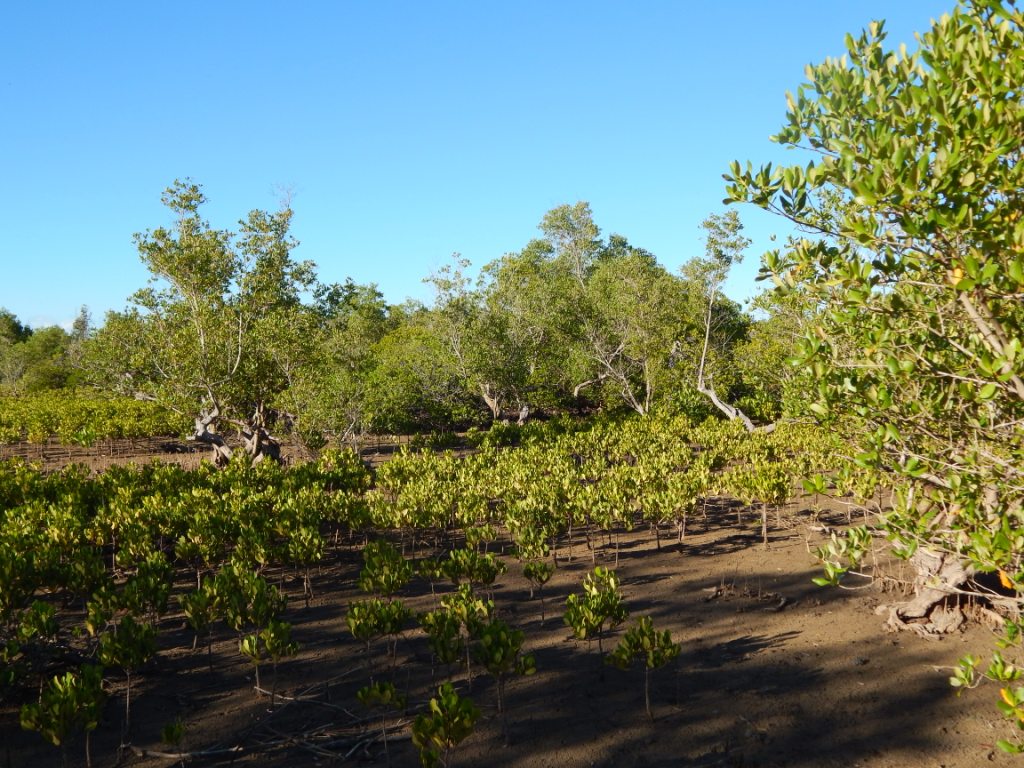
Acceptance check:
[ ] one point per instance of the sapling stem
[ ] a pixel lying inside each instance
(647, 691)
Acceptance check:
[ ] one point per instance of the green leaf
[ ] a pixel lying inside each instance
(1015, 269)
(965, 284)
(1009, 746)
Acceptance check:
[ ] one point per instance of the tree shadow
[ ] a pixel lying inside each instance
(748, 689)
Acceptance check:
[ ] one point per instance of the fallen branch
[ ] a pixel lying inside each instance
(181, 756)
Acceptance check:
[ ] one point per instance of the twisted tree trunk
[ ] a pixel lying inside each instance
(257, 442)
(208, 417)
(939, 575)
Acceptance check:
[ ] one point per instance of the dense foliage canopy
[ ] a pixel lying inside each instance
(913, 201)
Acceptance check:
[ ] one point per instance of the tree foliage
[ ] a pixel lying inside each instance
(40, 359)
(724, 246)
(237, 336)
(330, 393)
(220, 331)
(919, 275)
(582, 316)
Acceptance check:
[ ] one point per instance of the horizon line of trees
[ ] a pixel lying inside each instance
(236, 334)
(35, 360)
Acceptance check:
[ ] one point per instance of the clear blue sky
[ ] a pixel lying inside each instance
(406, 130)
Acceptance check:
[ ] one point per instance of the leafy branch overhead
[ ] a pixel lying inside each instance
(910, 203)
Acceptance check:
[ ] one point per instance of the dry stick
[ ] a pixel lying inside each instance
(384, 733)
(290, 699)
(298, 740)
(367, 741)
(287, 740)
(139, 752)
(126, 724)
(353, 719)
(336, 678)
(647, 691)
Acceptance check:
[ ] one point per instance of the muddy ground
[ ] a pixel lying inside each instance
(774, 671)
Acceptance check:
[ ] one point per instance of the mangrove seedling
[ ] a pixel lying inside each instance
(467, 566)
(370, 619)
(432, 570)
(444, 636)
(173, 734)
(538, 573)
(643, 642)
(273, 642)
(599, 606)
(70, 702)
(382, 696)
(277, 639)
(128, 646)
(498, 648)
(472, 612)
(385, 571)
(448, 721)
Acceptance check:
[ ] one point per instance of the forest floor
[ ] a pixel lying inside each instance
(774, 671)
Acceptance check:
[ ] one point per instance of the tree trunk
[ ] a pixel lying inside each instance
(704, 385)
(938, 576)
(202, 434)
(524, 413)
(259, 445)
(492, 401)
(257, 442)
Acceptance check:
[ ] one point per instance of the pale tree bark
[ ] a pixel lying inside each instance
(704, 384)
(257, 441)
(939, 575)
(492, 400)
(202, 433)
(588, 383)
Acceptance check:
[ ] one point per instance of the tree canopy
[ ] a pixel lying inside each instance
(38, 359)
(234, 332)
(220, 331)
(911, 202)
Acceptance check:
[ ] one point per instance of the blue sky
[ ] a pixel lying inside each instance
(406, 131)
